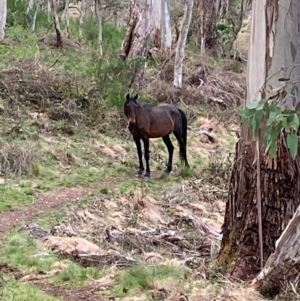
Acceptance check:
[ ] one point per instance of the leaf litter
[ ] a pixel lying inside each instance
(116, 232)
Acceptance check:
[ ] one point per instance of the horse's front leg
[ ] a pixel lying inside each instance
(137, 141)
(147, 156)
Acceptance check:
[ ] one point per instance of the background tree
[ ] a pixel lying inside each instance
(67, 17)
(162, 24)
(81, 19)
(3, 14)
(257, 177)
(59, 41)
(99, 22)
(136, 39)
(206, 15)
(180, 49)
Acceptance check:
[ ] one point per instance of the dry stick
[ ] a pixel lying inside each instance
(259, 207)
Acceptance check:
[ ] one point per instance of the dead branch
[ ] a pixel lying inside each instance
(211, 136)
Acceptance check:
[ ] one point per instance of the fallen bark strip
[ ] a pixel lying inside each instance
(283, 266)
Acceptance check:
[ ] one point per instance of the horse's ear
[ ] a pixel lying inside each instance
(135, 97)
(127, 96)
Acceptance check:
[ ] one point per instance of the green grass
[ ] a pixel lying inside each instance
(25, 47)
(15, 196)
(29, 254)
(76, 275)
(20, 250)
(143, 278)
(20, 192)
(14, 290)
(49, 168)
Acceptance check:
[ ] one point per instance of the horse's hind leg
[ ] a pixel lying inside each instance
(147, 156)
(170, 148)
(140, 155)
(182, 147)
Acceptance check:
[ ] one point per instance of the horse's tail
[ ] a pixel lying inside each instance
(182, 149)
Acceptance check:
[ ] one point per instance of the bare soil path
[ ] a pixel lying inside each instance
(50, 201)
(45, 202)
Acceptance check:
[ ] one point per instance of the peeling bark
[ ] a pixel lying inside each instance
(180, 49)
(271, 56)
(162, 24)
(3, 15)
(284, 263)
(136, 39)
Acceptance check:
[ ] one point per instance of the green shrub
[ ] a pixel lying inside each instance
(18, 15)
(114, 76)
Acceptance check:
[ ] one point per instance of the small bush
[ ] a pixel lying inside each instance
(16, 159)
(114, 77)
(17, 14)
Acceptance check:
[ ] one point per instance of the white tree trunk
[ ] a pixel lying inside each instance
(162, 24)
(273, 183)
(3, 15)
(67, 17)
(180, 49)
(166, 26)
(81, 19)
(274, 51)
(99, 21)
(48, 10)
(274, 54)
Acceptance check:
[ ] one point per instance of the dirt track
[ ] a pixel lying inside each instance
(45, 202)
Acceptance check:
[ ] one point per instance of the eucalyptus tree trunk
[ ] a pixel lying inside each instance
(116, 17)
(273, 54)
(237, 25)
(81, 19)
(206, 15)
(180, 49)
(67, 17)
(48, 10)
(138, 31)
(59, 41)
(3, 15)
(99, 21)
(162, 24)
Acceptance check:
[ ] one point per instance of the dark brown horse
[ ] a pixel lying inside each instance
(147, 121)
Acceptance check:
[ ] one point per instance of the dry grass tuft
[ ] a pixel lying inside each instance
(228, 291)
(29, 84)
(17, 159)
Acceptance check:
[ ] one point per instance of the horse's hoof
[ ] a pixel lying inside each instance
(168, 170)
(147, 174)
(140, 172)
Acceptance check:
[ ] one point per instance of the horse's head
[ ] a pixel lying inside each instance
(129, 107)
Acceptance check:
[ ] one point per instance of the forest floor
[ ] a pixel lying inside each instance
(149, 239)
(77, 223)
